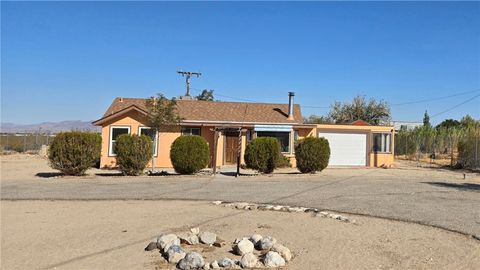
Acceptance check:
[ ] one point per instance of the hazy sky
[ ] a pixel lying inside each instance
(67, 61)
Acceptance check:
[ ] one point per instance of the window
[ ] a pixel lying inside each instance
(282, 137)
(114, 133)
(382, 142)
(147, 131)
(191, 131)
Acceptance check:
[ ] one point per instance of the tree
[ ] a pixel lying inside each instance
(426, 120)
(371, 111)
(467, 121)
(206, 95)
(315, 119)
(161, 112)
(448, 123)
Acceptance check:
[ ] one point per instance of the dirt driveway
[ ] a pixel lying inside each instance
(440, 198)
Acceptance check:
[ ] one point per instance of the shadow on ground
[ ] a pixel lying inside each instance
(48, 174)
(462, 186)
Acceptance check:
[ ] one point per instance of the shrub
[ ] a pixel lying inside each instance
(133, 153)
(283, 162)
(312, 154)
(262, 154)
(73, 153)
(189, 154)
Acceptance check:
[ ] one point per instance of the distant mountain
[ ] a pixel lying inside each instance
(52, 127)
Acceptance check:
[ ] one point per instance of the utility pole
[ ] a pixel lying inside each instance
(187, 75)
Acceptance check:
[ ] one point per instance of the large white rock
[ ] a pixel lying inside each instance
(207, 238)
(188, 238)
(273, 259)
(248, 260)
(243, 247)
(214, 265)
(174, 254)
(195, 230)
(255, 238)
(283, 251)
(226, 262)
(266, 243)
(165, 241)
(192, 261)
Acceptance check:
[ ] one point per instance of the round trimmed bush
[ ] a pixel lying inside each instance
(73, 153)
(312, 154)
(262, 154)
(189, 154)
(133, 153)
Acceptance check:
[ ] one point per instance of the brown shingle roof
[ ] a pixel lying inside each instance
(213, 111)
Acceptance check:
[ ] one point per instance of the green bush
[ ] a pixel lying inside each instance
(133, 153)
(283, 162)
(189, 154)
(312, 154)
(263, 154)
(73, 153)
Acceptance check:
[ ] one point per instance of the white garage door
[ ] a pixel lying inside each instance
(346, 149)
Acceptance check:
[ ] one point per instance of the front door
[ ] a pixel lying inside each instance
(231, 146)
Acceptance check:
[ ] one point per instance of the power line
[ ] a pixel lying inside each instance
(434, 99)
(456, 106)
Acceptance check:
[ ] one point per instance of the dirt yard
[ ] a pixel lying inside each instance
(112, 235)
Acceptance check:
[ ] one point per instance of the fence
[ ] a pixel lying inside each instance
(454, 146)
(24, 142)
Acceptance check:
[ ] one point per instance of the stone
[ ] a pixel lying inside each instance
(344, 219)
(277, 207)
(165, 241)
(229, 205)
(269, 207)
(338, 217)
(188, 238)
(219, 242)
(151, 246)
(266, 243)
(174, 254)
(248, 260)
(255, 238)
(191, 261)
(214, 265)
(195, 230)
(237, 240)
(322, 214)
(241, 205)
(207, 238)
(226, 262)
(283, 251)
(243, 247)
(206, 266)
(217, 202)
(311, 210)
(273, 259)
(252, 207)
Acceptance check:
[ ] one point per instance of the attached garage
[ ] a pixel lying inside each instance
(346, 149)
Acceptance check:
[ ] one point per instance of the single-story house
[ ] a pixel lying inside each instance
(229, 126)
(209, 119)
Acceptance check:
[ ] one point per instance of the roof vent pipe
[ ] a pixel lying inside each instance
(290, 105)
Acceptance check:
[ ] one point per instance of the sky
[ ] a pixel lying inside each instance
(69, 60)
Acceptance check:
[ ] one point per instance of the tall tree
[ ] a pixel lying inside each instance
(426, 120)
(372, 111)
(448, 123)
(206, 95)
(162, 112)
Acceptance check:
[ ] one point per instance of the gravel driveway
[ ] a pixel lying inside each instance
(435, 197)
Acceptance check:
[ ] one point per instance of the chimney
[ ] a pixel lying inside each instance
(290, 105)
(120, 99)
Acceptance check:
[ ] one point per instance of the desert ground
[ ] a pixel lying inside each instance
(406, 218)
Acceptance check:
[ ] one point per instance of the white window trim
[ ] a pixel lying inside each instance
(155, 153)
(110, 141)
(190, 128)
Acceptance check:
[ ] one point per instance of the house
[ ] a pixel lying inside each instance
(359, 144)
(229, 126)
(209, 119)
